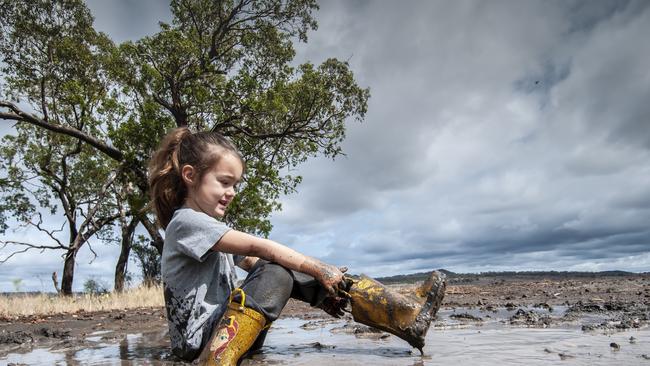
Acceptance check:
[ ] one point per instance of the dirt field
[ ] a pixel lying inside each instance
(593, 304)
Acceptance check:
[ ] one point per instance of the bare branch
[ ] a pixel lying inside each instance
(94, 254)
(90, 217)
(49, 233)
(17, 114)
(28, 246)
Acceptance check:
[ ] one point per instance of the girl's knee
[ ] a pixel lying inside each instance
(279, 274)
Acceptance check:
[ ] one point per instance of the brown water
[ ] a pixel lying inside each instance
(325, 342)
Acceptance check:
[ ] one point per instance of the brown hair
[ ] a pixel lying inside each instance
(181, 147)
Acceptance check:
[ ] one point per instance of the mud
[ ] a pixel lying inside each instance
(583, 320)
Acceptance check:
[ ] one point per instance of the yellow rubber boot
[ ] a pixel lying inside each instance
(406, 316)
(234, 336)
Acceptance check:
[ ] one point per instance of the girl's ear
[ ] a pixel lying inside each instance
(188, 175)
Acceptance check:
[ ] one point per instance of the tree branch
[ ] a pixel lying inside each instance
(28, 247)
(153, 232)
(19, 115)
(94, 253)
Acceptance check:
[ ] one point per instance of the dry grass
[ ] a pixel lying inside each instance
(43, 304)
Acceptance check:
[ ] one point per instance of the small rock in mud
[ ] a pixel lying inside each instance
(347, 328)
(544, 305)
(614, 306)
(628, 322)
(646, 357)
(466, 316)
(510, 306)
(589, 327)
(366, 330)
(488, 308)
(565, 356)
(313, 324)
(319, 346)
(52, 333)
(632, 340)
(615, 346)
(351, 328)
(18, 337)
(67, 343)
(529, 317)
(361, 331)
(620, 322)
(580, 307)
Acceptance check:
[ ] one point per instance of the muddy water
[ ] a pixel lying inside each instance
(451, 341)
(100, 349)
(454, 345)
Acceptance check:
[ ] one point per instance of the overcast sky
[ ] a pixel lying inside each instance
(500, 135)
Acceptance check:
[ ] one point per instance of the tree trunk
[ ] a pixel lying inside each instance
(123, 260)
(56, 283)
(121, 267)
(68, 272)
(156, 239)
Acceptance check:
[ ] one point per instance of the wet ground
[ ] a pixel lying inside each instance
(600, 321)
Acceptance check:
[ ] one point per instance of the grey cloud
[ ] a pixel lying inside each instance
(585, 16)
(129, 19)
(464, 162)
(607, 89)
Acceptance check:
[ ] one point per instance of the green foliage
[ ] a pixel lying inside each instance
(148, 260)
(99, 108)
(94, 287)
(54, 61)
(18, 283)
(226, 66)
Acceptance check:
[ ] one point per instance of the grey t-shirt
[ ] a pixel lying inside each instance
(197, 279)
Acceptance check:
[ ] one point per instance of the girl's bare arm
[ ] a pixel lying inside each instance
(237, 242)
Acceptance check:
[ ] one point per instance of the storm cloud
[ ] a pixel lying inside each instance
(501, 135)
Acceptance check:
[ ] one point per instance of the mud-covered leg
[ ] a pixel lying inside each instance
(252, 308)
(265, 292)
(236, 332)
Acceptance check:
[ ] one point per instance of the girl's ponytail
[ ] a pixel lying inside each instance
(201, 150)
(165, 183)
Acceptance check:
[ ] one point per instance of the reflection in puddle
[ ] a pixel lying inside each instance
(133, 349)
(300, 342)
(492, 345)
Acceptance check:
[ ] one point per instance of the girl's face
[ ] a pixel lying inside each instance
(216, 189)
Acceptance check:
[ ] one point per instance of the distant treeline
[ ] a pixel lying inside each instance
(471, 277)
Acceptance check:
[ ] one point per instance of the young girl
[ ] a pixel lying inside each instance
(192, 178)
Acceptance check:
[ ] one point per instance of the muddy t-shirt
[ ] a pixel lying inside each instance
(197, 279)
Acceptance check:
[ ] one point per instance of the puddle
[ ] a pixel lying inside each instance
(101, 349)
(323, 342)
(98, 335)
(292, 345)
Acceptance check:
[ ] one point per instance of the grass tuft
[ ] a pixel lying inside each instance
(12, 306)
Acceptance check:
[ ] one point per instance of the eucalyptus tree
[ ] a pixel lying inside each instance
(226, 66)
(53, 65)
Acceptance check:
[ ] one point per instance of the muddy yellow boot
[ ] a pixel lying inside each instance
(234, 336)
(406, 316)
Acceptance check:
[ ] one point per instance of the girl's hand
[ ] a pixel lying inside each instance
(332, 278)
(329, 276)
